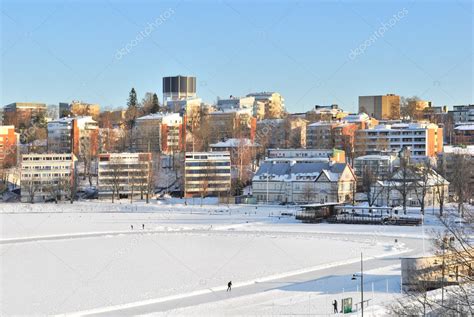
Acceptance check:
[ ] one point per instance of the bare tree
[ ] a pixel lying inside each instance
(86, 157)
(150, 186)
(453, 247)
(370, 177)
(204, 189)
(456, 244)
(423, 175)
(308, 192)
(440, 184)
(394, 111)
(408, 108)
(69, 184)
(31, 187)
(403, 182)
(416, 301)
(461, 177)
(54, 189)
(131, 184)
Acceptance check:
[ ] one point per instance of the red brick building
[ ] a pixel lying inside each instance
(8, 146)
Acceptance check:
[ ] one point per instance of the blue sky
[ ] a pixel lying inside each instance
(54, 51)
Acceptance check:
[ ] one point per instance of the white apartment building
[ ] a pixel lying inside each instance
(299, 153)
(124, 174)
(236, 103)
(47, 176)
(303, 182)
(423, 139)
(207, 174)
(462, 113)
(380, 165)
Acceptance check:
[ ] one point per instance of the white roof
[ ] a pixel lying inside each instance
(322, 123)
(374, 157)
(234, 143)
(461, 150)
(159, 115)
(467, 127)
(361, 117)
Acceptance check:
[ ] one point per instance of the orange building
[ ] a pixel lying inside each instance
(8, 146)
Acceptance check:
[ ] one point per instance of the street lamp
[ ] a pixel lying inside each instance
(361, 275)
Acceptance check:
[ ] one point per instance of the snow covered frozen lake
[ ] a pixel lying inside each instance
(85, 258)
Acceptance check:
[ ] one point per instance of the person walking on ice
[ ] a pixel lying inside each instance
(229, 286)
(334, 304)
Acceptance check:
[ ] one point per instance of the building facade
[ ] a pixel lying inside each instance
(79, 135)
(319, 135)
(179, 88)
(273, 101)
(463, 134)
(325, 113)
(233, 123)
(380, 107)
(389, 192)
(159, 132)
(422, 139)
(79, 108)
(9, 141)
(47, 177)
(303, 182)
(381, 166)
(462, 113)
(306, 155)
(243, 154)
(21, 114)
(450, 159)
(207, 174)
(122, 175)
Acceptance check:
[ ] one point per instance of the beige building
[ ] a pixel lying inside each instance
(380, 107)
(47, 176)
(274, 103)
(79, 108)
(325, 113)
(232, 123)
(432, 272)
